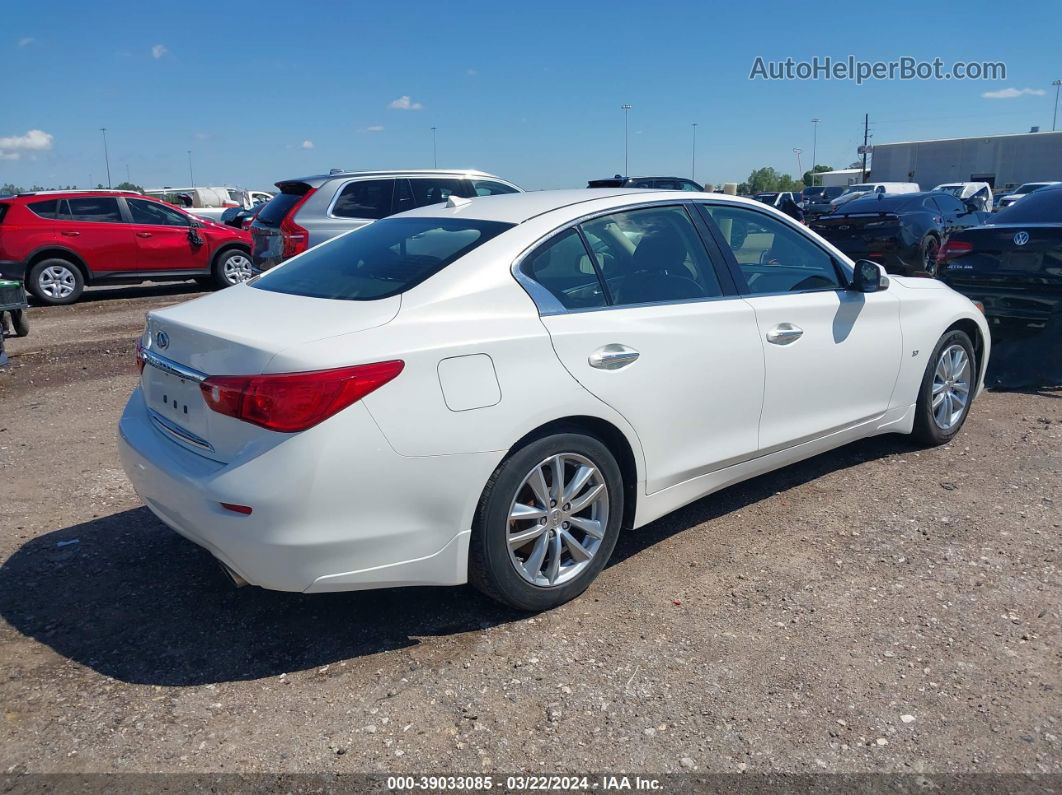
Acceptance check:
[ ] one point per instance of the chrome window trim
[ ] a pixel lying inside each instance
(172, 367)
(176, 430)
(549, 305)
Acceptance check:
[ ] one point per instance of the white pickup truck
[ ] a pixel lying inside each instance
(209, 202)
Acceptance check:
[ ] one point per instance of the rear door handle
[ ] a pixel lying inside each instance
(70, 234)
(784, 334)
(613, 357)
(143, 234)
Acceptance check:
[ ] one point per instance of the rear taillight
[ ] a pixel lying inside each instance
(290, 402)
(953, 249)
(296, 238)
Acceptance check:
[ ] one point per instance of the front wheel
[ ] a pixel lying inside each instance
(947, 390)
(547, 522)
(232, 267)
(930, 247)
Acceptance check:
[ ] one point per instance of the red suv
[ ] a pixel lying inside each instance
(59, 241)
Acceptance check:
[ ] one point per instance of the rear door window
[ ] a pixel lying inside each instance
(379, 260)
(99, 209)
(563, 267)
(367, 198)
(432, 190)
(45, 209)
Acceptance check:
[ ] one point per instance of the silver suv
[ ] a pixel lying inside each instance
(311, 210)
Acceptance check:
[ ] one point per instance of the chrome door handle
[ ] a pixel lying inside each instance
(613, 357)
(784, 334)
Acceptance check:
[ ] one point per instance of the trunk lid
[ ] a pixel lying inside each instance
(237, 331)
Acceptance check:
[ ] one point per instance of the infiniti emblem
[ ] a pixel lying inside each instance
(1021, 238)
(162, 339)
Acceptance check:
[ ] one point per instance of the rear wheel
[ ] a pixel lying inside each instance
(55, 281)
(947, 390)
(547, 522)
(930, 247)
(232, 267)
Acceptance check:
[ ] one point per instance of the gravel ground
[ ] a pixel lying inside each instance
(878, 608)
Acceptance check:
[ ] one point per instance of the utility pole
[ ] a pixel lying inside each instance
(434, 150)
(814, 147)
(190, 177)
(1057, 84)
(866, 135)
(800, 168)
(626, 140)
(106, 155)
(693, 164)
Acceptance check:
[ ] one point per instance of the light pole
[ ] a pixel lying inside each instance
(1057, 84)
(693, 163)
(626, 140)
(800, 168)
(814, 147)
(434, 149)
(106, 155)
(190, 177)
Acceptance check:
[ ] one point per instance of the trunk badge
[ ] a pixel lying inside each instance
(1021, 238)
(162, 339)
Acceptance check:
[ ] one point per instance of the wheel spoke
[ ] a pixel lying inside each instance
(554, 558)
(533, 564)
(938, 399)
(556, 489)
(591, 527)
(537, 482)
(521, 511)
(587, 498)
(579, 480)
(517, 540)
(939, 386)
(579, 552)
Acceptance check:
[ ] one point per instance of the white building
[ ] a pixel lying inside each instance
(1003, 161)
(841, 178)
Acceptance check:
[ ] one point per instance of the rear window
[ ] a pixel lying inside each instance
(45, 209)
(380, 260)
(277, 207)
(3, 210)
(1043, 206)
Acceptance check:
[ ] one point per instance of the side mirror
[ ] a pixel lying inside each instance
(868, 277)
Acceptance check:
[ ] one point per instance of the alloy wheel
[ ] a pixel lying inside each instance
(57, 282)
(951, 387)
(237, 268)
(930, 259)
(557, 520)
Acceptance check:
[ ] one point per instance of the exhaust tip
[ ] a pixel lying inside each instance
(235, 578)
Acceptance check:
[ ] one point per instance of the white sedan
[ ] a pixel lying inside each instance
(491, 390)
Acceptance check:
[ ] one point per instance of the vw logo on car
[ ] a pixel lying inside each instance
(1021, 238)
(162, 339)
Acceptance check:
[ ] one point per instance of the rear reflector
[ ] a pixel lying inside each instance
(231, 506)
(290, 402)
(953, 249)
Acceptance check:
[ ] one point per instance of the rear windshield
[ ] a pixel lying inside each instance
(1043, 206)
(277, 207)
(380, 260)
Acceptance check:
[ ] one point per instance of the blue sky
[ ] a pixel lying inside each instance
(269, 90)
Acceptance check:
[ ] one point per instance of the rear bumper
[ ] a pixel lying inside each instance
(13, 269)
(332, 511)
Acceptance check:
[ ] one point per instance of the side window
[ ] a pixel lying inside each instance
(403, 197)
(931, 205)
(950, 204)
(369, 198)
(691, 186)
(651, 255)
(666, 184)
(486, 187)
(101, 209)
(773, 257)
(563, 267)
(643, 183)
(432, 190)
(145, 212)
(46, 209)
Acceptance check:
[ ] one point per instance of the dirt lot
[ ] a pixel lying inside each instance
(878, 608)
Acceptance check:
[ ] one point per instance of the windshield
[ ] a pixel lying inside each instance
(954, 190)
(380, 260)
(857, 189)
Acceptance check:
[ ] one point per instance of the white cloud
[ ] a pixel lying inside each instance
(1011, 93)
(158, 51)
(374, 128)
(26, 41)
(14, 146)
(307, 144)
(405, 103)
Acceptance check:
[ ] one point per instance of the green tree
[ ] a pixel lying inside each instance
(818, 169)
(11, 188)
(129, 186)
(763, 179)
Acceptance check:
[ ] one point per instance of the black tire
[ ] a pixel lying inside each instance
(926, 429)
(43, 283)
(223, 273)
(928, 253)
(490, 568)
(19, 322)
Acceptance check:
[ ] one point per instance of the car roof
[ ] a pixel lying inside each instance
(76, 193)
(516, 208)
